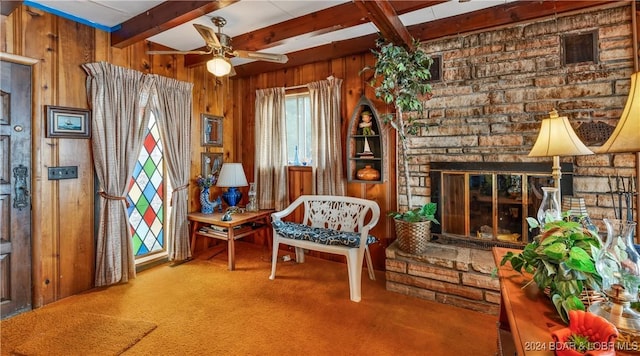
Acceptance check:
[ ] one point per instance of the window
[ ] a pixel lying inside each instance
(146, 197)
(298, 117)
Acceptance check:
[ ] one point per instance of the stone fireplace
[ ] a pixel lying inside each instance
(496, 87)
(481, 205)
(484, 204)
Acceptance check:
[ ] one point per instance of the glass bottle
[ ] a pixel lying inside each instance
(618, 263)
(550, 207)
(253, 204)
(296, 158)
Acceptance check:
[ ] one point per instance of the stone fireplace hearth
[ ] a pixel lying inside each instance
(447, 274)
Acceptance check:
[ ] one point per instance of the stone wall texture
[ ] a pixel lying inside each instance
(497, 86)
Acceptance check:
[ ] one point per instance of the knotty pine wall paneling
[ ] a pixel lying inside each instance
(353, 87)
(208, 98)
(63, 258)
(74, 46)
(62, 225)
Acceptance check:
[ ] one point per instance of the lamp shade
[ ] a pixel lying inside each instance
(557, 138)
(232, 175)
(626, 136)
(219, 66)
(576, 205)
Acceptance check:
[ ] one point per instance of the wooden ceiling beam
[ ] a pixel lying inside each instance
(167, 15)
(509, 13)
(324, 21)
(326, 52)
(332, 19)
(496, 16)
(384, 16)
(320, 22)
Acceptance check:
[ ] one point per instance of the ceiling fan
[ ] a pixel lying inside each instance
(219, 45)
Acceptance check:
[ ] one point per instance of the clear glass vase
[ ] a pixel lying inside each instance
(253, 204)
(618, 262)
(549, 209)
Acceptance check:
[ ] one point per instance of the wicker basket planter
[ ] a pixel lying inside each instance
(413, 236)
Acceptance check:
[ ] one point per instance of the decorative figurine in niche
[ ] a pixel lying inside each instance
(366, 124)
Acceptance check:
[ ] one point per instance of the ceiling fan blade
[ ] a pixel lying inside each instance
(208, 34)
(179, 52)
(261, 56)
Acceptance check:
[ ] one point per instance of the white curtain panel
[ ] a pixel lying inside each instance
(271, 149)
(119, 98)
(327, 138)
(172, 103)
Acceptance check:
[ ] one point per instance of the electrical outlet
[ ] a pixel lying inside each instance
(67, 172)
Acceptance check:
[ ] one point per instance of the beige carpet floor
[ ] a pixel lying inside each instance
(201, 308)
(50, 332)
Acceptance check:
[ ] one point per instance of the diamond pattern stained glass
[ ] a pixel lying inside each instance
(146, 203)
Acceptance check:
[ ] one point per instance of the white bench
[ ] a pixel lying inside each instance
(333, 224)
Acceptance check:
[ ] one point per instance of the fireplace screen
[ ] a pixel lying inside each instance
(491, 205)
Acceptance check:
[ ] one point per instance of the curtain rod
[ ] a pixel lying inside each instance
(295, 87)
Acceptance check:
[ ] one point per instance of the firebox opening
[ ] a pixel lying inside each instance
(485, 204)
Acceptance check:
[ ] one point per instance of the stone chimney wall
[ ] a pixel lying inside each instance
(497, 85)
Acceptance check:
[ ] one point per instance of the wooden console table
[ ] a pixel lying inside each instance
(527, 316)
(241, 225)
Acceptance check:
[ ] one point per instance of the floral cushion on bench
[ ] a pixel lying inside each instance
(319, 235)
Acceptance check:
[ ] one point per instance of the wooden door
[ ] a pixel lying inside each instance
(15, 188)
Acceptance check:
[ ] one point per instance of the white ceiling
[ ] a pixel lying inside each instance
(242, 17)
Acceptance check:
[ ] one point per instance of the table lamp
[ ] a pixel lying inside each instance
(625, 139)
(232, 176)
(557, 138)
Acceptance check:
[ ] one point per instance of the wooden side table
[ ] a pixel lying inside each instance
(527, 316)
(241, 225)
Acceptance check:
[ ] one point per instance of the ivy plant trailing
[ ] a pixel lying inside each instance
(401, 77)
(562, 260)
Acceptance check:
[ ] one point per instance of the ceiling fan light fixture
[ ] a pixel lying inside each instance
(219, 66)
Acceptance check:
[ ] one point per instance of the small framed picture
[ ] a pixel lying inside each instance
(211, 130)
(211, 163)
(66, 122)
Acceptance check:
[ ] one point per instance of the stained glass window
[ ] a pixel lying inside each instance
(146, 196)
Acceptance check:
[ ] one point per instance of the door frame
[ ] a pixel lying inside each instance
(17, 59)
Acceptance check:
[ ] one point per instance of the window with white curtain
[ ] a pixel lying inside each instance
(298, 117)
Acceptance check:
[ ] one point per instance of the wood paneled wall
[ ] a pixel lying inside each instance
(63, 221)
(354, 86)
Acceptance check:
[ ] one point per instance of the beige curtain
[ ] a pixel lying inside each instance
(171, 104)
(271, 149)
(327, 144)
(119, 98)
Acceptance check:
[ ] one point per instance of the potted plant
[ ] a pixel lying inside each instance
(401, 77)
(413, 227)
(562, 262)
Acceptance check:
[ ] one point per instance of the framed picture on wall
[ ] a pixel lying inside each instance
(64, 122)
(211, 163)
(211, 130)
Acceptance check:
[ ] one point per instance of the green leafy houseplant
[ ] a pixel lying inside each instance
(426, 212)
(401, 77)
(560, 259)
